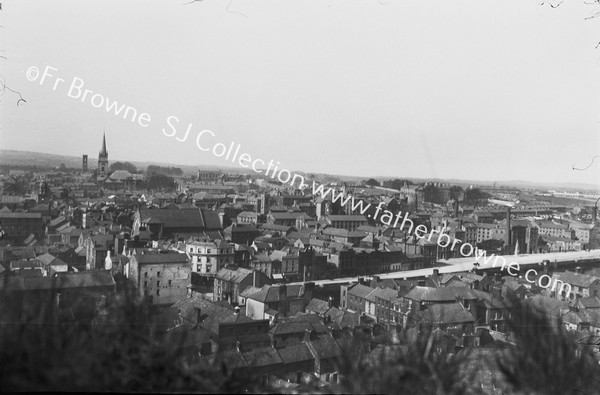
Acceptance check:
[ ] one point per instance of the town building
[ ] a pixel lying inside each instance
(162, 278)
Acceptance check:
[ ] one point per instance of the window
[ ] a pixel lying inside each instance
(170, 282)
(157, 274)
(158, 292)
(145, 274)
(158, 283)
(145, 284)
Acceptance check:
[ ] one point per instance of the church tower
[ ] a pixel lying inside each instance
(103, 159)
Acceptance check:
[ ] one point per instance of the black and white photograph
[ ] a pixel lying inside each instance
(300, 197)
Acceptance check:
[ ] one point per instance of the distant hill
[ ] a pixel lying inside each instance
(49, 161)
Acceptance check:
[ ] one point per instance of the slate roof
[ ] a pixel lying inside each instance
(347, 218)
(288, 216)
(269, 294)
(590, 303)
(58, 220)
(233, 276)
(247, 214)
(343, 232)
(295, 353)
(181, 218)
(20, 215)
(160, 258)
(298, 327)
(551, 306)
(212, 314)
(446, 313)
(87, 279)
(577, 279)
(326, 346)
(491, 301)
(281, 228)
(382, 293)
(48, 259)
(265, 356)
(361, 291)
(317, 306)
(444, 294)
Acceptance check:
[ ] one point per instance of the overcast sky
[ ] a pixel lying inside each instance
(489, 90)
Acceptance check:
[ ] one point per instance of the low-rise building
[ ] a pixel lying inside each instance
(231, 280)
(161, 278)
(208, 257)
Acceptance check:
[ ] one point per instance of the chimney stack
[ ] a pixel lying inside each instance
(198, 315)
(307, 333)
(508, 235)
(282, 289)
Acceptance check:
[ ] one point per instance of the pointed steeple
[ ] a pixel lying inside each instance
(103, 150)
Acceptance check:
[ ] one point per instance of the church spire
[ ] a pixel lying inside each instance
(103, 150)
(103, 159)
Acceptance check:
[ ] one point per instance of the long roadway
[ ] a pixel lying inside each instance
(457, 265)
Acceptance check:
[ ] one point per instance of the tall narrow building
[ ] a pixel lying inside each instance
(103, 159)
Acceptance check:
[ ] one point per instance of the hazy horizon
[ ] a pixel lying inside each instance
(568, 184)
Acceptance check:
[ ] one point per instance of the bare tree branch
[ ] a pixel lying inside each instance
(7, 88)
(234, 12)
(588, 166)
(228, 5)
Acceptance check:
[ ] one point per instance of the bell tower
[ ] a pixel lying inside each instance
(103, 159)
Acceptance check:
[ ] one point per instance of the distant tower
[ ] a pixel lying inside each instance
(84, 163)
(103, 158)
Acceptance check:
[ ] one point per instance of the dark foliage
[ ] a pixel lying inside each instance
(16, 186)
(414, 366)
(160, 182)
(476, 194)
(118, 352)
(165, 171)
(396, 184)
(546, 358)
(372, 182)
(130, 167)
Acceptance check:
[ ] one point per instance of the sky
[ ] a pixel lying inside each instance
(480, 90)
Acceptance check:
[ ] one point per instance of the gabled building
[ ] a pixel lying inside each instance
(209, 257)
(162, 278)
(164, 223)
(349, 222)
(279, 301)
(241, 233)
(230, 281)
(582, 285)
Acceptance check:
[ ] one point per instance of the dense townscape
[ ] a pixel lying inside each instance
(274, 283)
